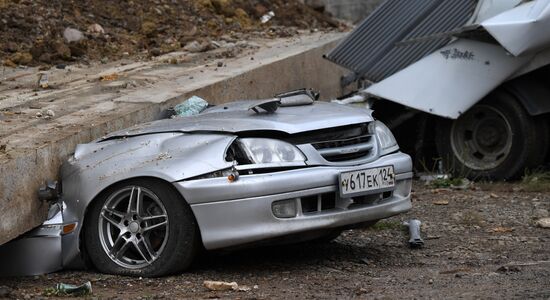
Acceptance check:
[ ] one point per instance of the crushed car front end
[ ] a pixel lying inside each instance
(301, 183)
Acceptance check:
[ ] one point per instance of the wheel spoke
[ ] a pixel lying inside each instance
(140, 251)
(120, 246)
(110, 219)
(113, 212)
(154, 217)
(149, 249)
(155, 226)
(142, 246)
(135, 201)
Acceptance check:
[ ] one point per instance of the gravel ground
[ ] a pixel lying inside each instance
(480, 243)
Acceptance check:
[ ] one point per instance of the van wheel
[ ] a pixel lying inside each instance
(495, 139)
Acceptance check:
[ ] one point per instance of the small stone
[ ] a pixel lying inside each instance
(50, 113)
(72, 35)
(194, 47)
(155, 52)
(9, 63)
(39, 115)
(5, 292)
(61, 66)
(21, 58)
(220, 64)
(104, 60)
(543, 223)
(95, 29)
(220, 285)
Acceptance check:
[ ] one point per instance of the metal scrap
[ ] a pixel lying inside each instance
(415, 240)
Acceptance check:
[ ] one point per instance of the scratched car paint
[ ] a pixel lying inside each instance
(143, 201)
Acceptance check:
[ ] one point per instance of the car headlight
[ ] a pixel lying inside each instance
(385, 138)
(265, 151)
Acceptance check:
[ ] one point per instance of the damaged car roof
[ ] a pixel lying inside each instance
(236, 117)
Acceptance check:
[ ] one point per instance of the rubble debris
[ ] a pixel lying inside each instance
(265, 18)
(72, 35)
(415, 240)
(21, 58)
(49, 114)
(543, 223)
(226, 286)
(502, 229)
(191, 106)
(95, 29)
(220, 285)
(195, 47)
(108, 77)
(164, 156)
(43, 80)
(40, 29)
(63, 289)
(9, 63)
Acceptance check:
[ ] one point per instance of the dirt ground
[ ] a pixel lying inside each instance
(34, 32)
(479, 243)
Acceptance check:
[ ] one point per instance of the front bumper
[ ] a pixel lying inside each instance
(237, 213)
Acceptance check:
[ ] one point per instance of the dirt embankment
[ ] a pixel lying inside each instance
(46, 32)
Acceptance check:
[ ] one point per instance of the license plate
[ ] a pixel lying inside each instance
(363, 181)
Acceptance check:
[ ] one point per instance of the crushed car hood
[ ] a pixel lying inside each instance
(235, 117)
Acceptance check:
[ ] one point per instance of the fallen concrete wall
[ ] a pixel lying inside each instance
(32, 151)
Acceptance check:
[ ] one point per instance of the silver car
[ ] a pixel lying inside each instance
(143, 201)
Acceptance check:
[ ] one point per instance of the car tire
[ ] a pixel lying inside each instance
(155, 236)
(496, 139)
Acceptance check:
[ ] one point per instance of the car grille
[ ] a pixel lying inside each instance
(330, 201)
(340, 144)
(346, 149)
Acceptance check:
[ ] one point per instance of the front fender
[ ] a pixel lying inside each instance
(168, 156)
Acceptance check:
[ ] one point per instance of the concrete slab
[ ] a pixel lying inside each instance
(32, 147)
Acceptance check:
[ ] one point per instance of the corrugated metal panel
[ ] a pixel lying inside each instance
(370, 50)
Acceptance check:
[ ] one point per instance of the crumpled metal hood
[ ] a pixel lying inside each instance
(235, 117)
(449, 81)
